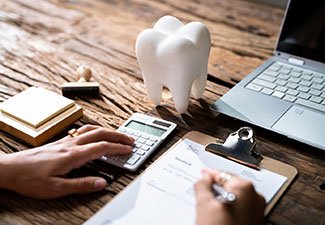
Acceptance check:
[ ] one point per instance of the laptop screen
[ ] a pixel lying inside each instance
(303, 32)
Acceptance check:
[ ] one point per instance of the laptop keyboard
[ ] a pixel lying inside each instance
(292, 84)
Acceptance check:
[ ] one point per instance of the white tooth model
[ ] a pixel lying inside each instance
(174, 55)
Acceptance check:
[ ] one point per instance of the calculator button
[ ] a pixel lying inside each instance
(144, 136)
(114, 157)
(145, 147)
(122, 130)
(134, 149)
(134, 137)
(130, 132)
(140, 152)
(133, 159)
(123, 158)
(153, 139)
(141, 140)
(150, 143)
(137, 145)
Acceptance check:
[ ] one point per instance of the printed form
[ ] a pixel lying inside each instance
(164, 194)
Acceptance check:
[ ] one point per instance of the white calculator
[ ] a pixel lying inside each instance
(148, 132)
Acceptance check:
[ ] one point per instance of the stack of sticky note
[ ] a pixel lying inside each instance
(36, 114)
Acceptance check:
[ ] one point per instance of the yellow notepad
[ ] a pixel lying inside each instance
(35, 106)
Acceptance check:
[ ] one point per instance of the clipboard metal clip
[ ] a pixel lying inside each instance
(239, 147)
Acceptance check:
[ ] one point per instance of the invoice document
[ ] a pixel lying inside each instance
(164, 193)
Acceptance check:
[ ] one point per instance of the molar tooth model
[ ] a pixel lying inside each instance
(174, 55)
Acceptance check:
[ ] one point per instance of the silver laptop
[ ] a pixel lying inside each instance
(287, 93)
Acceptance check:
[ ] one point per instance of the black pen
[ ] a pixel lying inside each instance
(222, 195)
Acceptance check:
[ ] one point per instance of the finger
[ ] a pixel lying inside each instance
(88, 152)
(215, 174)
(98, 149)
(261, 201)
(103, 134)
(82, 130)
(203, 187)
(233, 181)
(87, 128)
(261, 206)
(63, 186)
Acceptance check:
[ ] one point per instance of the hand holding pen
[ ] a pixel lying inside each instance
(215, 190)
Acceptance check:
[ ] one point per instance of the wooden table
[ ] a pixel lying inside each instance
(43, 42)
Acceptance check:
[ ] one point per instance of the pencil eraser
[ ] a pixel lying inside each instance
(90, 89)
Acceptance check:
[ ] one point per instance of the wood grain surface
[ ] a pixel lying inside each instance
(43, 42)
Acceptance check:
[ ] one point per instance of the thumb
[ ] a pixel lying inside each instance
(80, 185)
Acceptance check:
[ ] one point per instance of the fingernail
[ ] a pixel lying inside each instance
(100, 184)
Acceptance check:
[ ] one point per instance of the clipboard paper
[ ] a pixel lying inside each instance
(168, 183)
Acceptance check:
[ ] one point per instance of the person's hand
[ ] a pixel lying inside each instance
(248, 208)
(39, 172)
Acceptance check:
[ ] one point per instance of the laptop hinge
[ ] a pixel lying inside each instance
(296, 61)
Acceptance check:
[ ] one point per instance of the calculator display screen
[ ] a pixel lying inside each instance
(145, 128)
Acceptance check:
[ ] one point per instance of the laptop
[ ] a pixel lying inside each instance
(286, 94)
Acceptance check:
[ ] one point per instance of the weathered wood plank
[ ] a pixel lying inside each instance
(43, 42)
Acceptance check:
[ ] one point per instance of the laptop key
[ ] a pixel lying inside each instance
(290, 98)
(292, 85)
(285, 70)
(303, 89)
(311, 104)
(278, 94)
(297, 70)
(276, 65)
(292, 92)
(319, 75)
(294, 79)
(264, 76)
(283, 76)
(304, 95)
(270, 73)
(306, 83)
(281, 89)
(318, 80)
(314, 92)
(308, 72)
(306, 76)
(317, 86)
(254, 87)
(267, 91)
(295, 74)
(281, 82)
(316, 99)
(288, 67)
(273, 69)
(264, 83)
